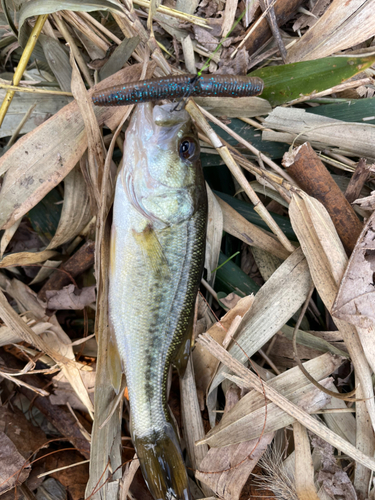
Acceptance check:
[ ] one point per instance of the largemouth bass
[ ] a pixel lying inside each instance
(156, 262)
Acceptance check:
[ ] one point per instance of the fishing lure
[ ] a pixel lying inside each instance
(179, 86)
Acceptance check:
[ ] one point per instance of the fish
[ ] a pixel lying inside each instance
(156, 262)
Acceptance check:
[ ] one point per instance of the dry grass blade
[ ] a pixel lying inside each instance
(214, 235)
(192, 420)
(304, 469)
(293, 410)
(105, 456)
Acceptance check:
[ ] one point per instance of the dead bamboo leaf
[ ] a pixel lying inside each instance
(106, 439)
(47, 105)
(27, 258)
(242, 107)
(192, 420)
(304, 468)
(275, 303)
(54, 341)
(252, 235)
(340, 27)
(213, 236)
(204, 363)
(327, 261)
(245, 421)
(301, 416)
(352, 139)
(41, 159)
(229, 16)
(46, 270)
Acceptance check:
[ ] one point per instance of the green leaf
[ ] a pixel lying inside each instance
(290, 81)
(354, 110)
(230, 278)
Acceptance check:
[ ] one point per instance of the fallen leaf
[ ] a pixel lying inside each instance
(70, 297)
(356, 296)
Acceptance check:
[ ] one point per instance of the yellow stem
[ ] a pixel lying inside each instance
(22, 64)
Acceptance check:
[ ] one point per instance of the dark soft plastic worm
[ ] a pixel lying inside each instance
(178, 86)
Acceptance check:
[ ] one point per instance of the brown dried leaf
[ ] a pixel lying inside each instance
(70, 297)
(41, 159)
(229, 483)
(11, 465)
(367, 203)
(27, 258)
(63, 392)
(205, 364)
(75, 213)
(356, 296)
(342, 26)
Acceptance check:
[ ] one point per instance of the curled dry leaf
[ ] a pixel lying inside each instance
(229, 483)
(27, 258)
(75, 213)
(356, 296)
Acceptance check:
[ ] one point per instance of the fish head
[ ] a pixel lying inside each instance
(161, 168)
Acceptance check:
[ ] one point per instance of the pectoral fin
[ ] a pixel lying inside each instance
(153, 252)
(114, 364)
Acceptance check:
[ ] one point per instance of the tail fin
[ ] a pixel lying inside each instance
(162, 465)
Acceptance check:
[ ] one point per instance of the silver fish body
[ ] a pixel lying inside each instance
(157, 254)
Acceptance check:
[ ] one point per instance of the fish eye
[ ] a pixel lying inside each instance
(188, 149)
